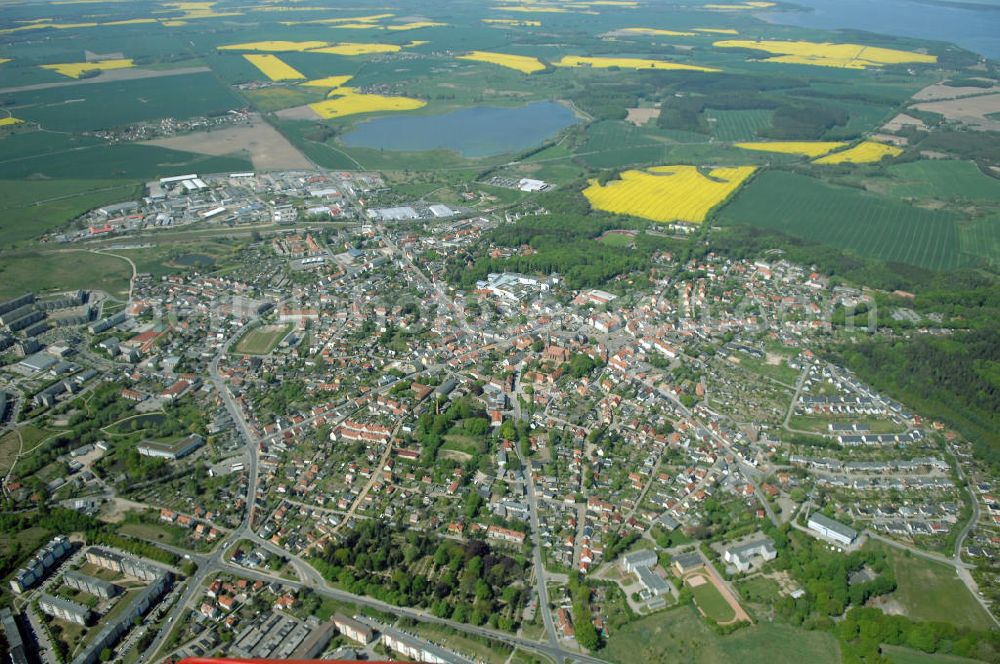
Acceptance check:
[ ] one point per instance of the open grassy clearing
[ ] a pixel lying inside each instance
(932, 591)
(51, 271)
(681, 635)
(868, 224)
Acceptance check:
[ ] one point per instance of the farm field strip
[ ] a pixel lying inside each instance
(627, 63)
(826, 54)
(866, 152)
(805, 148)
(521, 63)
(274, 68)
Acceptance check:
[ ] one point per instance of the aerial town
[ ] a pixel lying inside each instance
(334, 447)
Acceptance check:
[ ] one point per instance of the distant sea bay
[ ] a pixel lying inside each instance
(976, 29)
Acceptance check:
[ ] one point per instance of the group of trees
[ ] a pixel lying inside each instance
(431, 427)
(826, 577)
(864, 631)
(464, 581)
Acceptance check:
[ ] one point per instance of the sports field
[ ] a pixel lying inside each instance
(262, 340)
(710, 600)
(865, 223)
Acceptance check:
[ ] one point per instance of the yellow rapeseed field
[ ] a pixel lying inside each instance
(540, 10)
(718, 31)
(277, 46)
(3, 60)
(513, 21)
(274, 68)
(357, 48)
(352, 102)
(328, 82)
(846, 56)
(415, 25)
(522, 63)
(866, 152)
(76, 69)
(805, 148)
(741, 6)
(372, 18)
(7, 122)
(133, 21)
(627, 63)
(668, 193)
(657, 32)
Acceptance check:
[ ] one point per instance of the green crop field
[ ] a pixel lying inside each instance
(944, 179)
(865, 223)
(121, 160)
(981, 238)
(737, 125)
(33, 208)
(87, 107)
(681, 635)
(613, 144)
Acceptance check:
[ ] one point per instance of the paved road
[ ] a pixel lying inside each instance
(540, 584)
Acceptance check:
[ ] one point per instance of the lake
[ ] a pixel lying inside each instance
(481, 131)
(974, 29)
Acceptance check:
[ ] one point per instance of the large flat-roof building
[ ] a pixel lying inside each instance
(91, 585)
(15, 642)
(64, 609)
(832, 530)
(354, 630)
(172, 451)
(742, 556)
(43, 560)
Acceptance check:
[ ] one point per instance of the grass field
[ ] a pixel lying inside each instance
(943, 179)
(51, 271)
(868, 224)
(613, 143)
(981, 238)
(737, 125)
(711, 601)
(33, 208)
(932, 591)
(262, 340)
(10, 444)
(680, 635)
